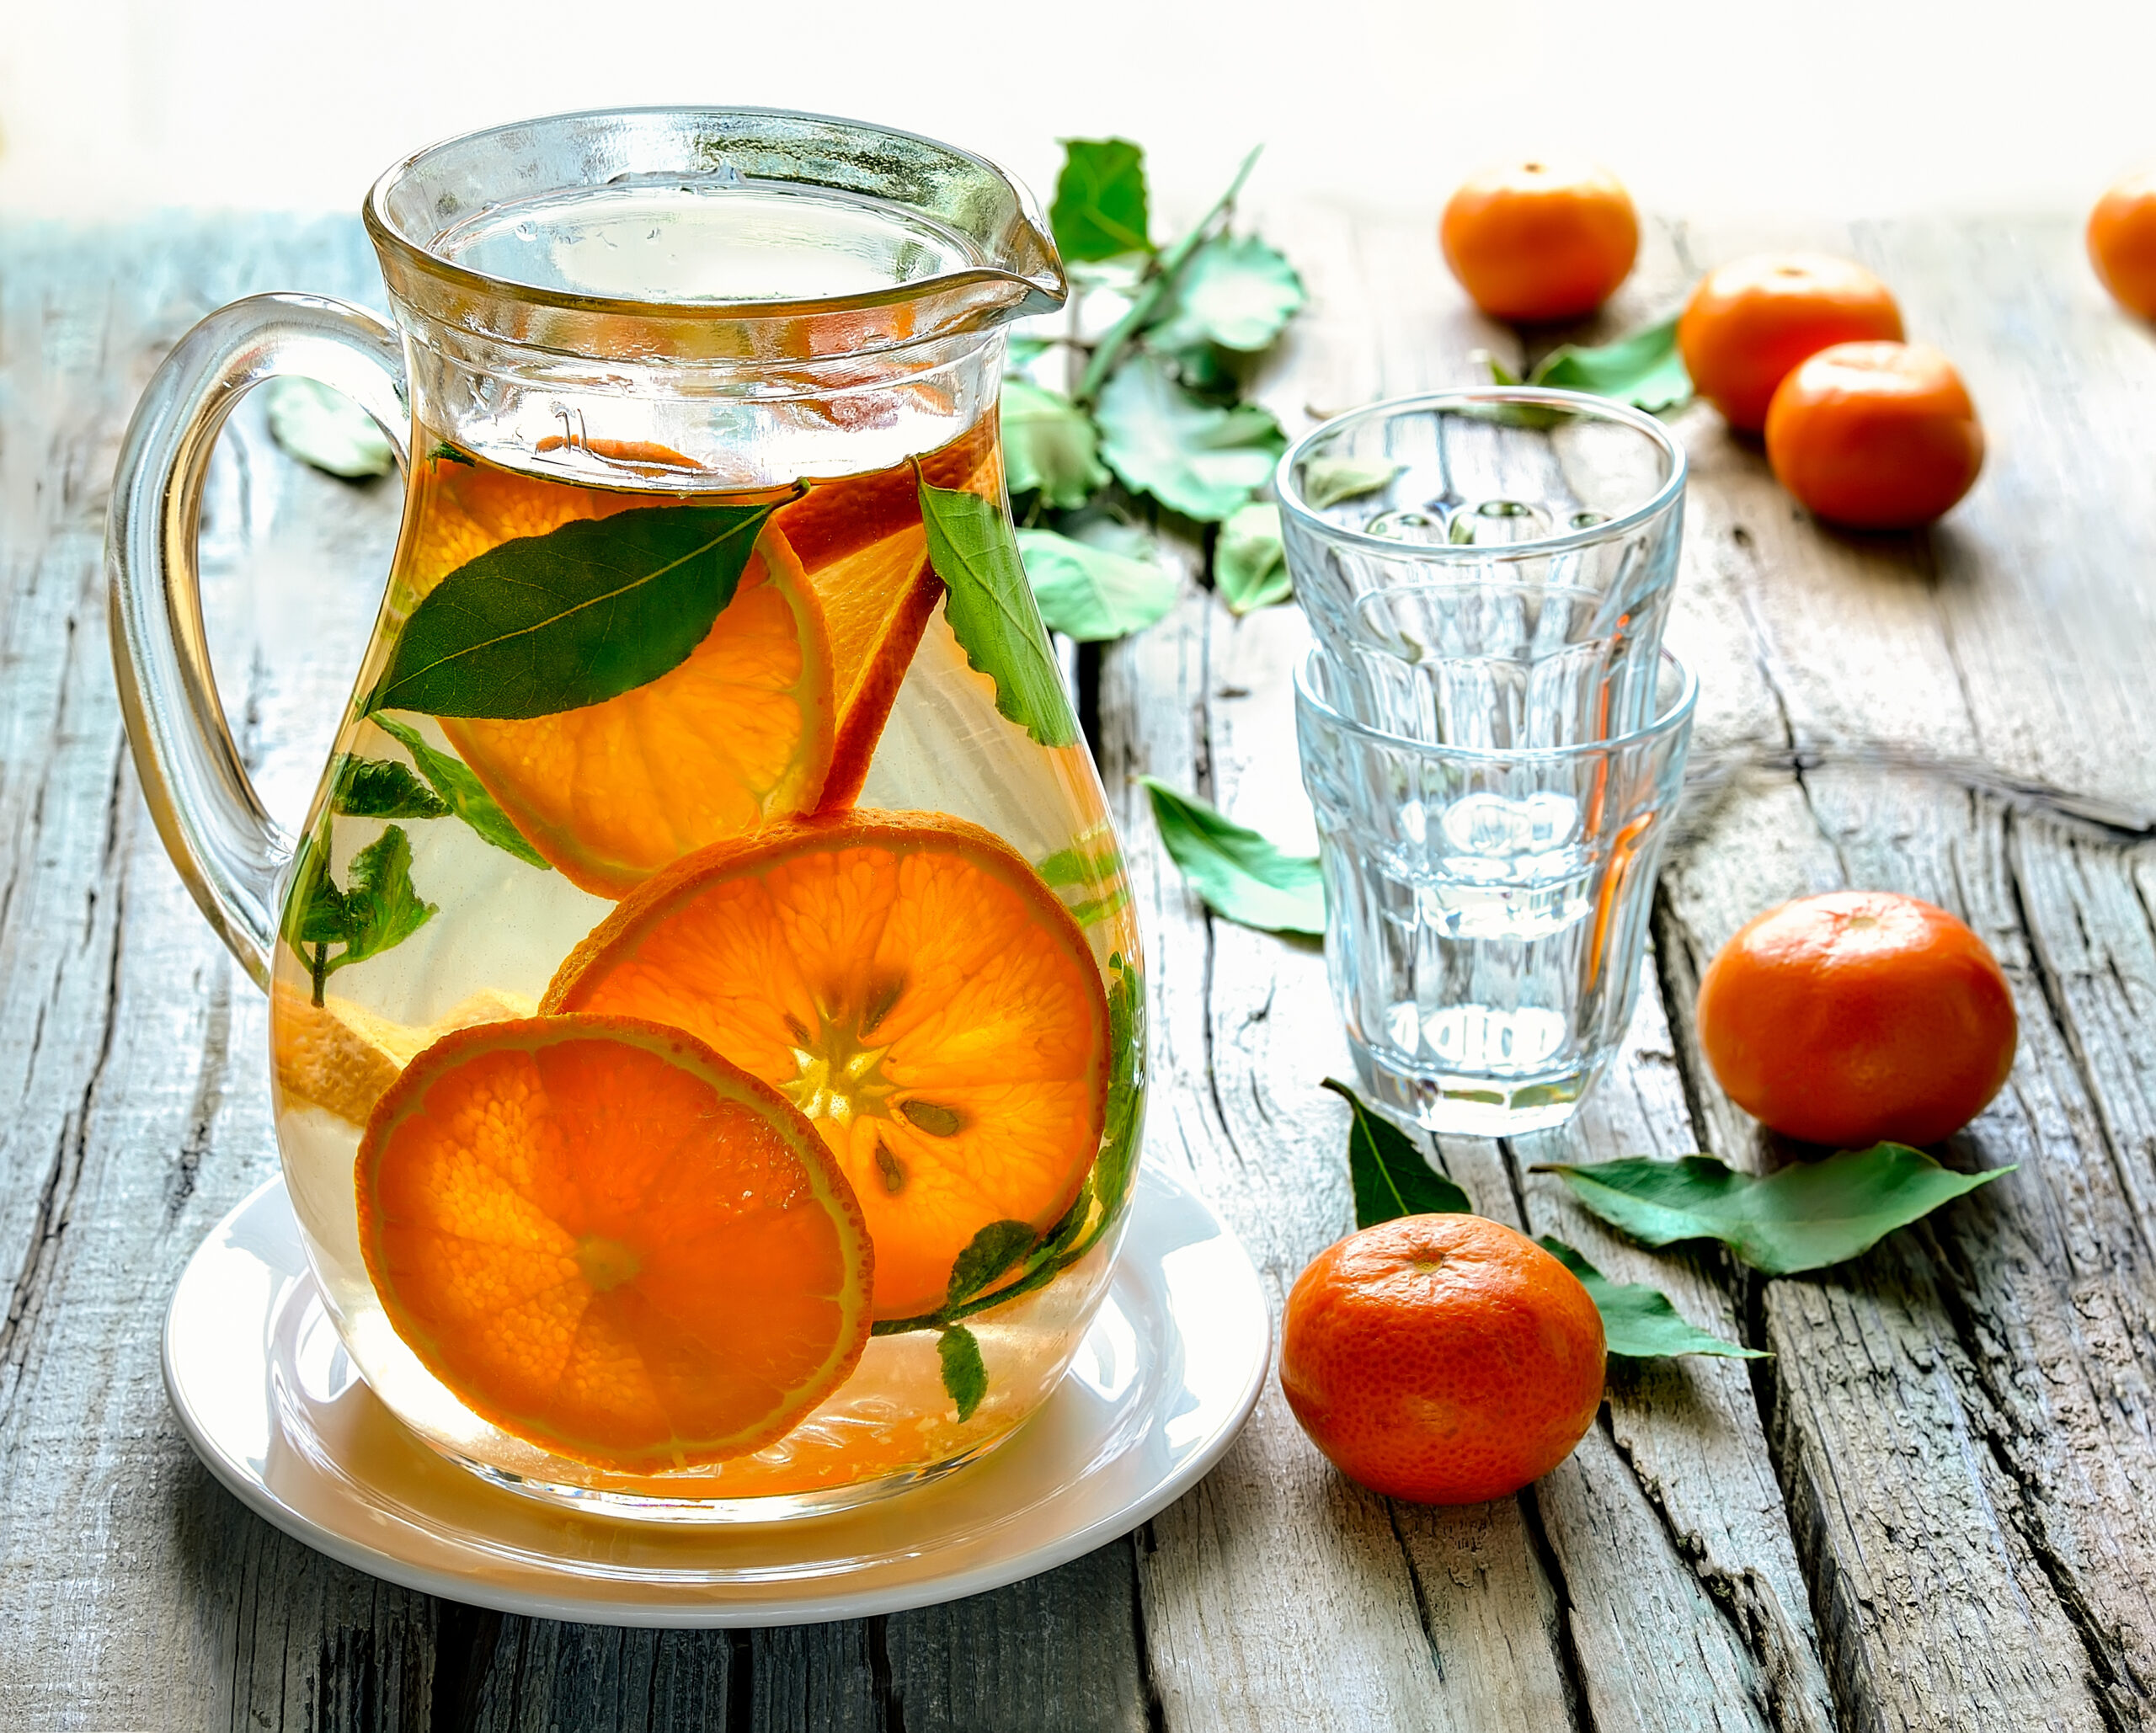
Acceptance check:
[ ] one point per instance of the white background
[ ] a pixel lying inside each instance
(1706, 107)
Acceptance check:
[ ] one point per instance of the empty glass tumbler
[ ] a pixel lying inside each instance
(1487, 905)
(1512, 486)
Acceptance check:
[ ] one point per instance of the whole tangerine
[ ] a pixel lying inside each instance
(1444, 1359)
(1856, 1018)
(2122, 243)
(1875, 435)
(1751, 321)
(1537, 241)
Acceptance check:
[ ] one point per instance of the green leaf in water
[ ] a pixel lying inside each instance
(462, 792)
(1391, 1176)
(381, 788)
(1806, 1217)
(1125, 1119)
(1049, 447)
(1638, 1321)
(382, 907)
(1328, 481)
(1241, 874)
(965, 1378)
(991, 609)
(1100, 209)
(1238, 292)
(991, 1253)
(1194, 457)
(1250, 566)
(542, 624)
(323, 427)
(1090, 593)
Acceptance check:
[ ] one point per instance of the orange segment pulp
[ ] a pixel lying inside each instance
(608, 1241)
(909, 983)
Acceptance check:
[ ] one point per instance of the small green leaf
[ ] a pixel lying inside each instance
(1643, 369)
(1250, 567)
(1328, 481)
(324, 427)
(1049, 446)
(1240, 874)
(1100, 209)
(382, 907)
(991, 1253)
(444, 452)
(965, 1378)
(1239, 293)
(1193, 457)
(1093, 594)
(542, 624)
(315, 912)
(1388, 1173)
(1125, 1117)
(381, 788)
(1806, 1217)
(991, 611)
(463, 793)
(1638, 1321)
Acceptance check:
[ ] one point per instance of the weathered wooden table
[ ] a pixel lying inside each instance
(1935, 1507)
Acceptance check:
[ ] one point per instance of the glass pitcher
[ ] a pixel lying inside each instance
(706, 1016)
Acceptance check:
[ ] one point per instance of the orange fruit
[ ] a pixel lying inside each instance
(1875, 435)
(1536, 242)
(341, 1056)
(2122, 243)
(611, 1243)
(1442, 1359)
(1749, 322)
(1857, 1017)
(909, 983)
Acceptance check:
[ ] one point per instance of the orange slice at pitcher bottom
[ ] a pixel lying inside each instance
(737, 734)
(908, 982)
(610, 1242)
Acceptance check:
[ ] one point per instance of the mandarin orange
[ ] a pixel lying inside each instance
(1749, 322)
(1442, 1359)
(1857, 1017)
(1875, 435)
(608, 1241)
(1536, 242)
(2122, 243)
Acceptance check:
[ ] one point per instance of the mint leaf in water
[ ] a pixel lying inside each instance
(1250, 566)
(1126, 1112)
(462, 792)
(1638, 1321)
(542, 624)
(1100, 209)
(991, 609)
(1193, 457)
(382, 907)
(1093, 594)
(1238, 292)
(1049, 447)
(381, 788)
(1389, 1174)
(1806, 1217)
(991, 1253)
(1240, 874)
(965, 1378)
(323, 427)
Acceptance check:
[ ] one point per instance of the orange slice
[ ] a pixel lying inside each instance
(608, 1241)
(342, 1057)
(909, 983)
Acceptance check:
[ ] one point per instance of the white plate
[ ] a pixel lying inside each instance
(1169, 1371)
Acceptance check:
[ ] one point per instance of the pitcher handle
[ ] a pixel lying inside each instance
(228, 849)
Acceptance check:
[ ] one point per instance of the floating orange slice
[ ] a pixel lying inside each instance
(613, 1243)
(341, 1056)
(909, 983)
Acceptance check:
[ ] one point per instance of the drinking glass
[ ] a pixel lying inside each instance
(1508, 485)
(1487, 907)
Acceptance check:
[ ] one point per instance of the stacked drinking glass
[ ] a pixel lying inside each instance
(1492, 735)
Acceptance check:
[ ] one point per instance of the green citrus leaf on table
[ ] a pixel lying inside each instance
(381, 788)
(1049, 446)
(324, 428)
(463, 793)
(1806, 1217)
(1100, 209)
(991, 611)
(1241, 875)
(1391, 1177)
(1237, 291)
(1643, 369)
(1250, 567)
(1194, 457)
(1328, 481)
(965, 1378)
(1638, 1321)
(1093, 594)
(542, 624)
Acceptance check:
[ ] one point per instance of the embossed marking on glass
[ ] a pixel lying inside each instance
(706, 1003)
